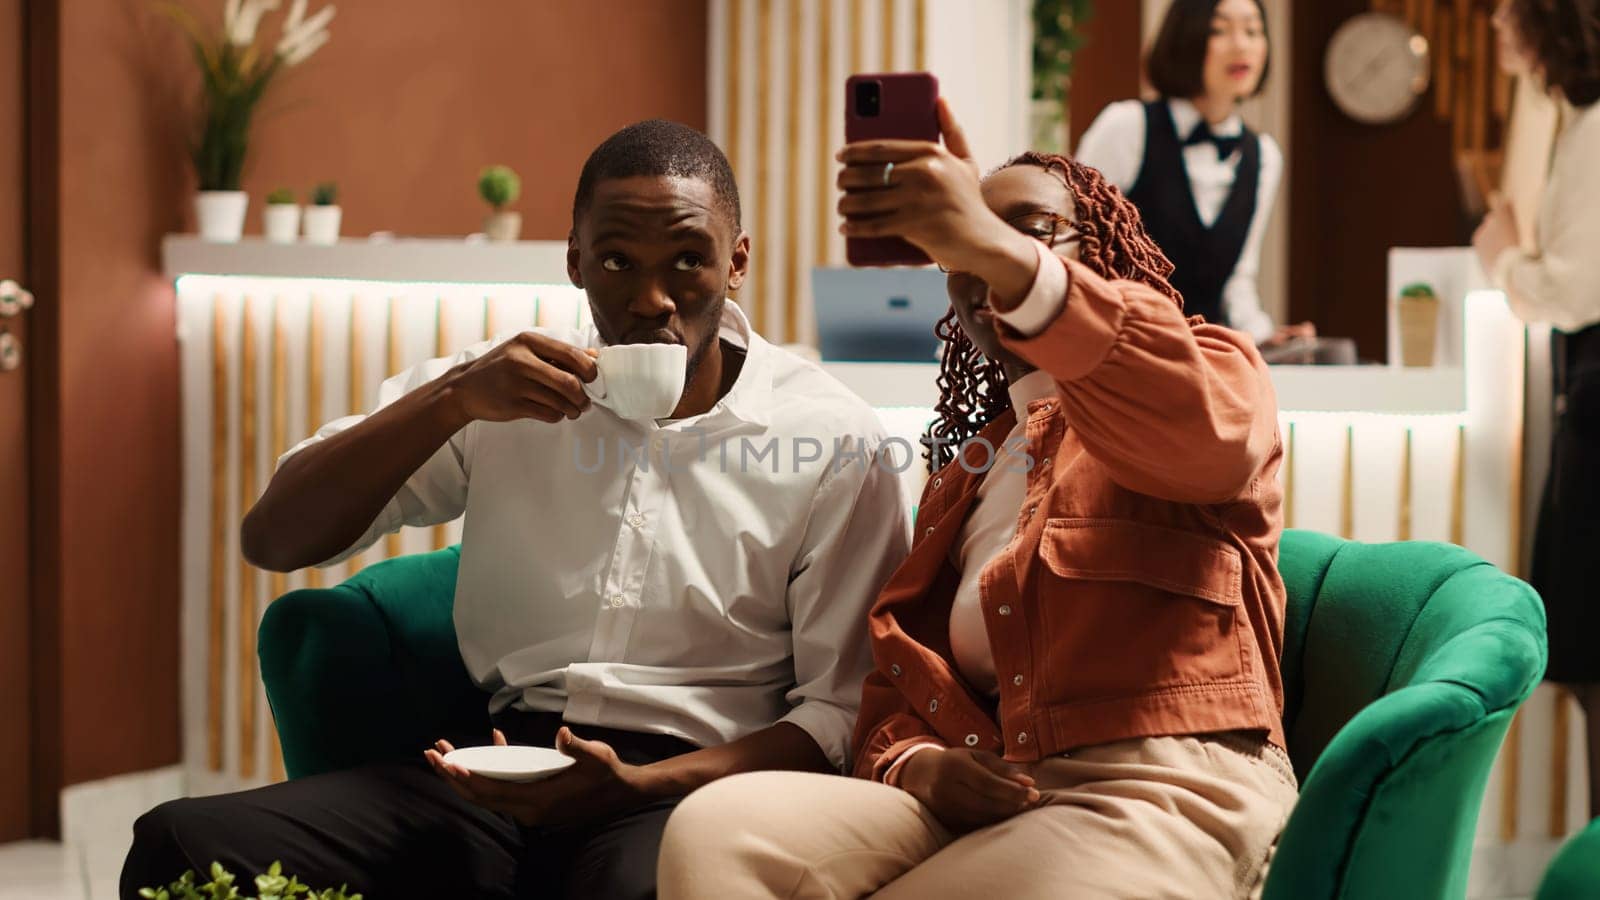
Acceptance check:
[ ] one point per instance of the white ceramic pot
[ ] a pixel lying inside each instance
(322, 224)
(219, 215)
(503, 226)
(280, 222)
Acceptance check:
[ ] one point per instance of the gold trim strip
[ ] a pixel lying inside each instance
(216, 628)
(1347, 501)
(763, 154)
(1511, 779)
(278, 438)
(857, 37)
(1459, 491)
(919, 34)
(886, 19)
(1404, 528)
(442, 344)
(790, 296)
(357, 397)
(825, 114)
(1288, 480)
(735, 68)
(248, 600)
(315, 328)
(392, 364)
(1560, 727)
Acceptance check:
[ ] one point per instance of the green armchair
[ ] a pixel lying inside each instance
(1403, 664)
(1574, 874)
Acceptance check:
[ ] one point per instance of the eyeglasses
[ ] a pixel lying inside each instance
(1047, 228)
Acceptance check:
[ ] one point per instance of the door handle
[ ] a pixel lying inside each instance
(14, 299)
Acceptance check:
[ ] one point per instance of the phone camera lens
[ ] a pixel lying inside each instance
(869, 98)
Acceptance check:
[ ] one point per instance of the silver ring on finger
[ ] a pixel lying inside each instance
(888, 169)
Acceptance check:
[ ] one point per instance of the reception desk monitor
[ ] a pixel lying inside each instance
(878, 315)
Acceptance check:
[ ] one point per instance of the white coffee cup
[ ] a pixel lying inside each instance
(640, 381)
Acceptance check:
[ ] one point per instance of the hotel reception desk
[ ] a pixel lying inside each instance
(277, 339)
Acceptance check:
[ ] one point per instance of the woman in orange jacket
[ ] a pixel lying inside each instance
(1077, 689)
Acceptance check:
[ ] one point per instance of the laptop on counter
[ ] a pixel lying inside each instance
(878, 315)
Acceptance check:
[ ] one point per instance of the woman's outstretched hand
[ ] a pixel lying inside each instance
(932, 199)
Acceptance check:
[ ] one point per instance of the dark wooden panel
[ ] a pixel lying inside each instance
(1108, 67)
(15, 708)
(1356, 191)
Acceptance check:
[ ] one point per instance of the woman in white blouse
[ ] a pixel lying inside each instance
(1558, 42)
(1203, 182)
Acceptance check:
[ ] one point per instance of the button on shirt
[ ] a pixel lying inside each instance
(705, 587)
(1114, 144)
(988, 530)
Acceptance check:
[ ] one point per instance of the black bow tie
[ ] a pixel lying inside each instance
(1202, 133)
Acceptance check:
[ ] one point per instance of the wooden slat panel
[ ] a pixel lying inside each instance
(824, 132)
(443, 345)
(248, 600)
(1347, 498)
(216, 612)
(394, 362)
(316, 327)
(791, 295)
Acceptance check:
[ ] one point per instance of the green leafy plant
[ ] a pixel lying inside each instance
(281, 197)
(1057, 35)
(1417, 289)
(235, 73)
(499, 186)
(325, 194)
(272, 885)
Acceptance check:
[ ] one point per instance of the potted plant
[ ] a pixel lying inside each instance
(280, 221)
(1419, 324)
(322, 216)
(235, 73)
(499, 187)
(1058, 33)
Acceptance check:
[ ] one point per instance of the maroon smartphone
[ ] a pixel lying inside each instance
(899, 105)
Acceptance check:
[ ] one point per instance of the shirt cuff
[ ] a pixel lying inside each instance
(1500, 273)
(891, 776)
(829, 725)
(1044, 300)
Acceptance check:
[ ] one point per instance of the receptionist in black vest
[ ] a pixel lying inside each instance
(1203, 182)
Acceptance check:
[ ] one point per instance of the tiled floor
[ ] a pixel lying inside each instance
(40, 869)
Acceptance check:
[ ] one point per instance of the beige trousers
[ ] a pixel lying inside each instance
(1148, 818)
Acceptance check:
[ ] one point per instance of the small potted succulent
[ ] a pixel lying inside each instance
(322, 216)
(280, 221)
(499, 187)
(1419, 324)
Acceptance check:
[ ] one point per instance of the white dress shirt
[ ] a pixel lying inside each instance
(1114, 144)
(1560, 284)
(706, 588)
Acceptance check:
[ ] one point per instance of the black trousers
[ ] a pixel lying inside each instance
(397, 830)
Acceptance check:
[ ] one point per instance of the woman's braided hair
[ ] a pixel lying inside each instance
(972, 387)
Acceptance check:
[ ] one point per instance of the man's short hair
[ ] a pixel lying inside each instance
(657, 147)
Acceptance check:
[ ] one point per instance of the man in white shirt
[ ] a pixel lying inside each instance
(688, 594)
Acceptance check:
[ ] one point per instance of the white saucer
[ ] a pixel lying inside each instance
(520, 764)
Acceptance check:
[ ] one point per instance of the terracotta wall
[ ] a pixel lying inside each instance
(405, 104)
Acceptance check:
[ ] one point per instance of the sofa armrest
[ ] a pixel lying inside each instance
(369, 670)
